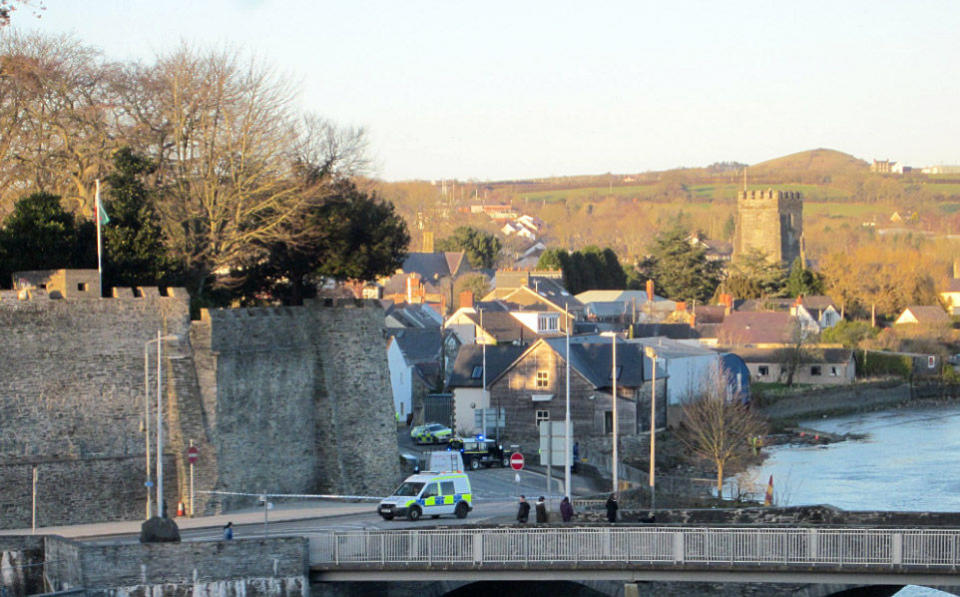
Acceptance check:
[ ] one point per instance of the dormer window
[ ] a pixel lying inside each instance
(548, 323)
(477, 372)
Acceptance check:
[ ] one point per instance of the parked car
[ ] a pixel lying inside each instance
(434, 433)
(477, 453)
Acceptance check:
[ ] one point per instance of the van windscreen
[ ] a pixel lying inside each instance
(409, 489)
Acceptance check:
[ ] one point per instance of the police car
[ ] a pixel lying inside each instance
(429, 494)
(433, 433)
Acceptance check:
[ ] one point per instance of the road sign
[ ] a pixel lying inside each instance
(516, 461)
(192, 454)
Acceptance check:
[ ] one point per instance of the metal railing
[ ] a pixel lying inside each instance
(620, 546)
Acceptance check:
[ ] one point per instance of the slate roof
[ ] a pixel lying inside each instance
(711, 313)
(414, 316)
(553, 290)
(676, 331)
(501, 325)
(755, 327)
(430, 266)
(813, 355)
(928, 314)
(499, 357)
(419, 345)
(592, 357)
(818, 301)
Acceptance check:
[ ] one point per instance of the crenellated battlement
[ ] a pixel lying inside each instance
(770, 221)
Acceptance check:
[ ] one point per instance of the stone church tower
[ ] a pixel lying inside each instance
(771, 221)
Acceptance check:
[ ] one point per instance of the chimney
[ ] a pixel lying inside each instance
(466, 299)
(650, 290)
(681, 306)
(727, 301)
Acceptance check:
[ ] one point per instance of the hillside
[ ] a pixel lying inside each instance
(624, 211)
(815, 165)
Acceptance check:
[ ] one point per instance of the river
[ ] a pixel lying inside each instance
(907, 462)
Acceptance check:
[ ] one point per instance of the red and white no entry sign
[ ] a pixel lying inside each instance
(516, 461)
(192, 454)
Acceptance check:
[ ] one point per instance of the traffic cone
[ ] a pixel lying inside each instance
(768, 498)
(180, 511)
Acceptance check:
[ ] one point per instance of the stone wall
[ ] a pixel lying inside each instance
(770, 221)
(71, 403)
(513, 392)
(858, 396)
(276, 566)
(285, 400)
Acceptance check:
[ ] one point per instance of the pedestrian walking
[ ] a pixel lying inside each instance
(566, 509)
(542, 516)
(524, 511)
(228, 531)
(612, 508)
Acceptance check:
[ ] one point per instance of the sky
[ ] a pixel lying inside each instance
(500, 90)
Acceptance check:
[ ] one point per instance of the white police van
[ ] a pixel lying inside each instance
(429, 494)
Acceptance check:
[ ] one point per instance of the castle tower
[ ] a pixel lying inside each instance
(770, 221)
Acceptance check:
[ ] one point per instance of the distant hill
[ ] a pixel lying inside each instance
(818, 163)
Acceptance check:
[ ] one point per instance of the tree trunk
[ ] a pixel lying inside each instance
(720, 479)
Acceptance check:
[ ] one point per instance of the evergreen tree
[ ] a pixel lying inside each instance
(482, 248)
(135, 254)
(40, 234)
(802, 281)
(680, 270)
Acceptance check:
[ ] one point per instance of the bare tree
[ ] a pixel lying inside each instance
(717, 424)
(795, 352)
(222, 132)
(56, 115)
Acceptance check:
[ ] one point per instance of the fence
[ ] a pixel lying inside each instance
(618, 546)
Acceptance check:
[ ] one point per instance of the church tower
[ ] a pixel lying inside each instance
(771, 221)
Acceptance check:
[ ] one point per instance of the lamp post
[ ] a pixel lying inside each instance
(566, 432)
(613, 376)
(146, 387)
(652, 354)
(484, 403)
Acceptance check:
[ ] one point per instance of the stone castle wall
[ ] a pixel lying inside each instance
(280, 400)
(770, 221)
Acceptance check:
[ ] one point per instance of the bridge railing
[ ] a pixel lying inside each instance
(618, 546)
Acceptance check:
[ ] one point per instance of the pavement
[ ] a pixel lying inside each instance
(280, 513)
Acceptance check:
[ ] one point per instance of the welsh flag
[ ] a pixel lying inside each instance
(102, 217)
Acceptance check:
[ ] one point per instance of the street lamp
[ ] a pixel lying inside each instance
(566, 431)
(613, 376)
(146, 393)
(652, 354)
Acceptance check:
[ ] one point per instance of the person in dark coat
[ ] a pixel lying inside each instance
(566, 509)
(228, 531)
(612, 508)
(524, 511)
(542, 516)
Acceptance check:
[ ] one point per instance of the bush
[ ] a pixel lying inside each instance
(877, 364)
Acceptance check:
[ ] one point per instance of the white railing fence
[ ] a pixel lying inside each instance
(616, 546)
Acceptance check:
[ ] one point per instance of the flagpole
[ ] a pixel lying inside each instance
(99, 251)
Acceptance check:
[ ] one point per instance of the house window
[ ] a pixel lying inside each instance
(82, 287)
(815, 370)
(833, 371)
(542, 415)
(477, 372)
(763, 370)
(548, 323)
(543, 379)
(608, 421)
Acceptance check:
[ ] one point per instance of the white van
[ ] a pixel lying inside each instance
(429, 494)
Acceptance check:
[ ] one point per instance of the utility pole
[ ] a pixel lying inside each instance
(567, 456)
